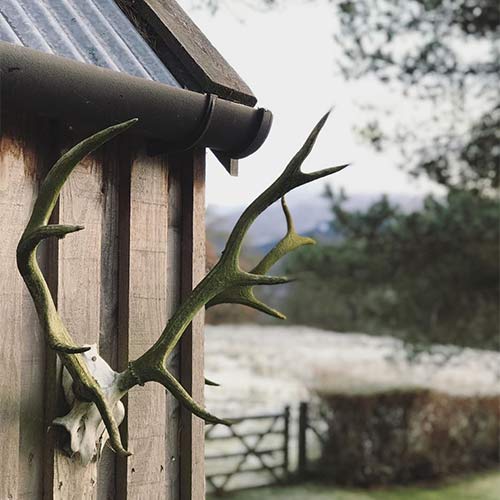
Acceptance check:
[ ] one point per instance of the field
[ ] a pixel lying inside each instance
(262, 369)
(478, 487)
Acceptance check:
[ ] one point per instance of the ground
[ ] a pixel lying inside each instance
(484, 486)
(263, 368)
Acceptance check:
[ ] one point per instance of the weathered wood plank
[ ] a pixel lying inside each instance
(32, 426)
(192, 470)
(143, 315)
(79, 304)
(162, 229)
(21, 342)
(113, 156)
(172, 442)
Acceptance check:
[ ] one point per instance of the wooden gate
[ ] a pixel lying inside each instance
(255, 446)
(115, 284)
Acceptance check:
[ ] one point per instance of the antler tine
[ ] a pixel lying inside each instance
(59, 173)
(211, 383)
(38, 229)
(165, 378)
(291, 178)
(287, 244)
(245, 295)
(109, 421)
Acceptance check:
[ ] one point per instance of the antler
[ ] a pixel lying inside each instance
(226, 282)
(38, 229)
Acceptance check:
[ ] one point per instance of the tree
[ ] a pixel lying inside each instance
(433, 274)
(426, 276)
(446, 55)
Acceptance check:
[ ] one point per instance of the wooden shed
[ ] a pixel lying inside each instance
(69, 68)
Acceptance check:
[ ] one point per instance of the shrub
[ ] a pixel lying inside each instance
(400, 436)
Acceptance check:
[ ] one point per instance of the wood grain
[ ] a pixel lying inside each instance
(142, 247)
(21, 341)
(143, 315)
(112, 157)
(192, 473)
(172, 442)
(32, 429)
(79, 304)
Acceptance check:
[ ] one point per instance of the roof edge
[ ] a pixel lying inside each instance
(185, 50)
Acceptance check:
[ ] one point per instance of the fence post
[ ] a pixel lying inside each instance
(303, 424)
(286, 439)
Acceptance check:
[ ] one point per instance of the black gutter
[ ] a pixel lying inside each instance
(54, 86)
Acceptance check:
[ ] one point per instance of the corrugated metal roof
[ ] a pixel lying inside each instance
(91, 31)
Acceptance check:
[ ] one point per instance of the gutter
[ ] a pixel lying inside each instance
(179, 119)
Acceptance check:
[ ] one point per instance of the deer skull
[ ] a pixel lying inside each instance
(87, 432)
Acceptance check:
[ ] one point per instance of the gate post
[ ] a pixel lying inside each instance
(302, 445)
(286, 439)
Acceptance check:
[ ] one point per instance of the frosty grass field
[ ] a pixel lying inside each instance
(262, 368)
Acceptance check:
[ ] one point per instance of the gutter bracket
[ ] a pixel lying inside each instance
(156, 147)
(201, 131)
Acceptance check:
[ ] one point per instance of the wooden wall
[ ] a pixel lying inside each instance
(115, 284)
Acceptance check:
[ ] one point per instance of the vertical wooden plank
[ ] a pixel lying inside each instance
(174, 297)
(113, 156)
(78, 301)
(32, 427)
(192, 470)
(143, 315)
(123, 347)
(21, 342)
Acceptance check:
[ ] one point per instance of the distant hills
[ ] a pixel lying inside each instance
(311, 214)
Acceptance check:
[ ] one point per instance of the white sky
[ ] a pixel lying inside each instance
(286, 56)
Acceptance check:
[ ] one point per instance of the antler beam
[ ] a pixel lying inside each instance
(38, 229)
(226, 282)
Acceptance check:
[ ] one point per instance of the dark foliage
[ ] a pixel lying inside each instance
(427, 276)
(446, 53)
(408, 435)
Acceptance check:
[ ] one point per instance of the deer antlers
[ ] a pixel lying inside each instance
(225, 283)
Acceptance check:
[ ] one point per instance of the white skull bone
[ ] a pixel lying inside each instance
(83, 423)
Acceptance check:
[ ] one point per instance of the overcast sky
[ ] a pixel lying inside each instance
(287, 57)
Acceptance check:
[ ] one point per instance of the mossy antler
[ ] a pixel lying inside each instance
(226, 282)
(38, 229)
(245, 295)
